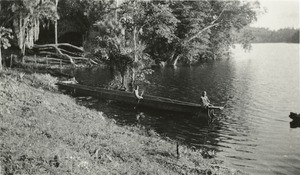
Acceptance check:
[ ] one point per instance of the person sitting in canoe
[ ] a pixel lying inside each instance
(205, 102)
(136, 93)
(138, 97)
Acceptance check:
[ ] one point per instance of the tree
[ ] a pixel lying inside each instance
(133, 18)
(295, 37)
(264, 35)
(159, 26)
(80, 15)
(5, 35)
(115, 42)
(27, 15)
(106, 43)
(194, 21)
(219, 20)
(190, 30)
(55, 25)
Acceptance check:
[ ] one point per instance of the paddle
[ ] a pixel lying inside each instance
(211, 114)
(216, 107)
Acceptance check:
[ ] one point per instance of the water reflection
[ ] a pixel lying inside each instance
(259, 90)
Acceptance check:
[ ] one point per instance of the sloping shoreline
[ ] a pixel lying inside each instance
(45, 132)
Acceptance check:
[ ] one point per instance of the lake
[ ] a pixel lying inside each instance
(259, 88)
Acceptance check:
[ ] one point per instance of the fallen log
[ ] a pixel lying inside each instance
(76, 59)
(57, 51)
(71, 53)
(57, 45)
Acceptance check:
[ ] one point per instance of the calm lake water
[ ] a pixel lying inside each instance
(259, 88)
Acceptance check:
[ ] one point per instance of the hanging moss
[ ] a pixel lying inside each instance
(27, 24)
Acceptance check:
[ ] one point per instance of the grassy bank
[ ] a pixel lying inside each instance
(45, 132)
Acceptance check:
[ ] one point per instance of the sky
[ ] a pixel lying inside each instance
(280, 14)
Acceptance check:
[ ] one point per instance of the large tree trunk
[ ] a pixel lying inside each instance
(172, 61)
(175, 60)
(123, 80)
(126, 80)
(55, 24)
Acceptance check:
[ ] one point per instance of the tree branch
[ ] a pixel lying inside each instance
(57, 45)
(223, 10)
(200, 32)
(212, 24)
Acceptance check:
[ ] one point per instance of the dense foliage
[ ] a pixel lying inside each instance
(24, 16)
(107, 44)
(168, 32)
(130, 35)
(264, 35)
(80, 15)
(193, 30)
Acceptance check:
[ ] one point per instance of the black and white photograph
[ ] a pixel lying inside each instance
(149, 87)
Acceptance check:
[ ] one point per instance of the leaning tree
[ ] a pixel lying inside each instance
(209, 26)
(195, 28)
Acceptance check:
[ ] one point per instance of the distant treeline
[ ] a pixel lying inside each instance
(264, 35)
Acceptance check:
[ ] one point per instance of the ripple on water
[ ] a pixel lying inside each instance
(259, 90)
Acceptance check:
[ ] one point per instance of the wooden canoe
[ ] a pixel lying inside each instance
(148, 101)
